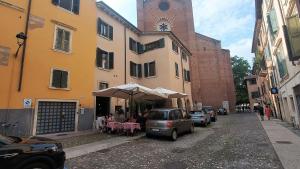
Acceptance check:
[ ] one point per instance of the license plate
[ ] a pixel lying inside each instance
(155, 129)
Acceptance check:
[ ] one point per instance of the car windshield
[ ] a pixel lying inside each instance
(6, 140)
(196, 112)
(158, 115)
(208, 108)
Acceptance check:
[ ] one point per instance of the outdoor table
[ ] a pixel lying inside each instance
(114, 125)
(129, 126)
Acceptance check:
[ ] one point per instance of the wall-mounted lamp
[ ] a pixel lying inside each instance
(21, 37)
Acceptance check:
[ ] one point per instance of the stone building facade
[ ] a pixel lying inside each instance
(211, 71)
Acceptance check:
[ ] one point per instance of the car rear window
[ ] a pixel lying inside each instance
(158, 115)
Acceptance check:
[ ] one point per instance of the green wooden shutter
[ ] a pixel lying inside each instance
(273, 21)
(146, 70)
(76, 6)
(99, 58)
(56, 76)
(99, 26)
(140, 48)
(66, 46)
(64, 79)
(132, 68)
(130, 44)
(152, 70)
(176, 69)
(140, 70)
(185, 77)
(111, 32)
(162, 43)
(294, 36)
(111, 60)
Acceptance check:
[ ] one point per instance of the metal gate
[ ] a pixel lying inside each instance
(55, 117)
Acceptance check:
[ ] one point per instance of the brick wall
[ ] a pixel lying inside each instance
(211, 71)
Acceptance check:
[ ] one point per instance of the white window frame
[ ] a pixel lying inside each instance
(51, 79)
(70, 43)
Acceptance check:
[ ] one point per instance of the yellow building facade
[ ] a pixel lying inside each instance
(151, 59)
(57, 74)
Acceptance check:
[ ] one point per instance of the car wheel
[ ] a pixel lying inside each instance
(37, 166)
(174, 135)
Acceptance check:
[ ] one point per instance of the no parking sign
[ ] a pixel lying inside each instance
(27, 103)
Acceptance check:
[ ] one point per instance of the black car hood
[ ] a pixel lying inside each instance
(37, 140)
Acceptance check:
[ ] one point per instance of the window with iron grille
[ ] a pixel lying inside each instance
(70, 5)
(105, 30)
(62, 39)
(59, 78)
(104, 59)
(150, 69)
(103, 85)
(135, 70)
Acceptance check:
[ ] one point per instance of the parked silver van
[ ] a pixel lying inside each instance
(168, 122)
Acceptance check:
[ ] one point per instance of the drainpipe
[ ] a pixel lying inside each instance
(125, 65)
(24, 47)
(183, 88)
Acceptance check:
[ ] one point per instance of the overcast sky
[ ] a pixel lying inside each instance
(231, 21)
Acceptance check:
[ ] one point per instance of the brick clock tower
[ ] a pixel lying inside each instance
(211, 71)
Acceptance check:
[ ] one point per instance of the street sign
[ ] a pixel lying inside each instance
(274, 90)
(27, 103)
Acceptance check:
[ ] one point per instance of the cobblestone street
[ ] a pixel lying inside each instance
(235, 141)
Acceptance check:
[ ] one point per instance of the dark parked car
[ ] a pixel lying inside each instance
(31, 153)
(210, 110)
(200, 117)
(222, 111)
(168, 122)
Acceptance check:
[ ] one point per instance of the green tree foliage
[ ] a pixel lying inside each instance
(241, 68)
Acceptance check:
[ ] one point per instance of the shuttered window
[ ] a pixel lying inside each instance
(135, 70)
(187, 75)
(155, 45)
(174, 47)
(104, 59)
(281, 62)
(177, 70)
(70, 5)
(184, 56)
(150, 69)
(104, 29)
(273, 23)
(62, 39)
(59, 78)
(293, 24)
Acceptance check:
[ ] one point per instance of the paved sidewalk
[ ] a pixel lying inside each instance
(285, 143)
(98, 146)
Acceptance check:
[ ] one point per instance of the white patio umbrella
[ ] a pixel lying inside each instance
(132, 92)
(169, 93)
